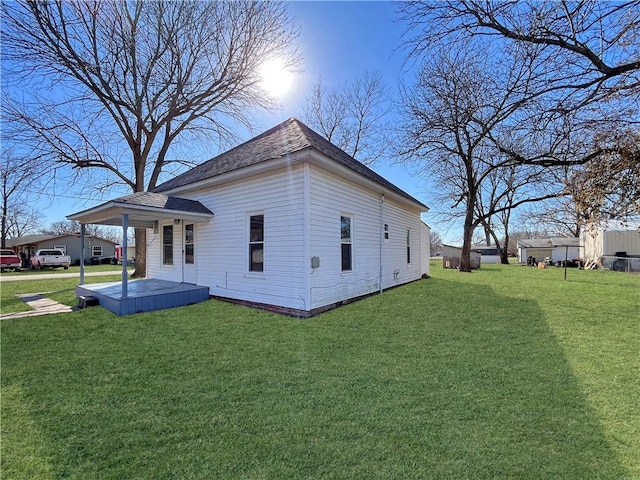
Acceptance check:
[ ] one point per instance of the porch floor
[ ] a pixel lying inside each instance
(143, 295)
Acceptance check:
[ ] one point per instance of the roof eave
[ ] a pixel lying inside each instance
(308, 154)
(320, 159)
(141, 216)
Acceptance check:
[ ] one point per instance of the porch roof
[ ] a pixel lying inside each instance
(143, 209)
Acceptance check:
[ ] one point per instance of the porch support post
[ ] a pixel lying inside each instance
(82, 232)
(125, 226)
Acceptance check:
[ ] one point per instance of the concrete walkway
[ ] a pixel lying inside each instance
(40, 304)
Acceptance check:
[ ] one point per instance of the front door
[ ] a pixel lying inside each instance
(189, 253)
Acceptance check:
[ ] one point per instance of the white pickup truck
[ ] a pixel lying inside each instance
(50, 258)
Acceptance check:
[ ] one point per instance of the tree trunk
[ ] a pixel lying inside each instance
(4, 226)
(141, 253)
(487, 234)
(465, 258)
(504, 251)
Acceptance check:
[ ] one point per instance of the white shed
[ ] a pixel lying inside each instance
(602, 247)
(451, 257)
(554, 248)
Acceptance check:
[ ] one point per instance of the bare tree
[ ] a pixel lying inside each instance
(435, 243)
(127, 81)
(587, 64)
(22, 219)
(453, 118)
(589, 49)
(583, 64)
(72, 227)
(558, 216)
(20, 178)
(609, 187)
(605, 188)
(353, 117)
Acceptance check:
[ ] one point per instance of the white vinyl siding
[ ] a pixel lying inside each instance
(331, 197)
(290, 241)
(222, 248)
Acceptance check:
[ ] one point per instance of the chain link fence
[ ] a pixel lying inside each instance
(621, 264)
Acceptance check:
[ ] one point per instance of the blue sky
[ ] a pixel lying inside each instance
(338, 41)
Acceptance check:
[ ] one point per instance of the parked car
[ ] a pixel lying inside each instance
(108, 260)
(50, 258)
(10, 260)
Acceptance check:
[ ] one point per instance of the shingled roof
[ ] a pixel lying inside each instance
(157, 200)
(143, 209)
(284, 139)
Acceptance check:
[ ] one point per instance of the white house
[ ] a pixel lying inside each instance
(284, 220)
(554, 248)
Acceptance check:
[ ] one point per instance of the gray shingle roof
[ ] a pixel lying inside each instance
(38, 238)
(159, 200)
(549, 242)
(283, 139)
(149, 199)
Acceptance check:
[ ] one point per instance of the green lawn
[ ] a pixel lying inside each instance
(72, 269)
(508, 372)
(61, 290)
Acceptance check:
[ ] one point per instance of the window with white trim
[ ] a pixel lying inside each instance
(96, 251)
(256, 243)
(346, 243)
(189, 243)
(408, 246)
(386, 232)
(167, 244)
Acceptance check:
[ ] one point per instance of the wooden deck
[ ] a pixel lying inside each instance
(144, 295)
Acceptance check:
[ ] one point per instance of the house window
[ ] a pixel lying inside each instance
(346, 243)
(167, 245)
(189, 241)
(96, 251)
(408, 247)
(256, 243)
(386, 232)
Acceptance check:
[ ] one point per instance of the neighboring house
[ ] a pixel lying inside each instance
(69, 244)
(555, 248)
(131, 253)
(451, 257)
(602, 247)
(286, 219)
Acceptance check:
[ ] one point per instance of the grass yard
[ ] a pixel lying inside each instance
(72, 269)
(61, 290)
(509, 372)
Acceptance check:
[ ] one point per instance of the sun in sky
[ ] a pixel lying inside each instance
(276, 79)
